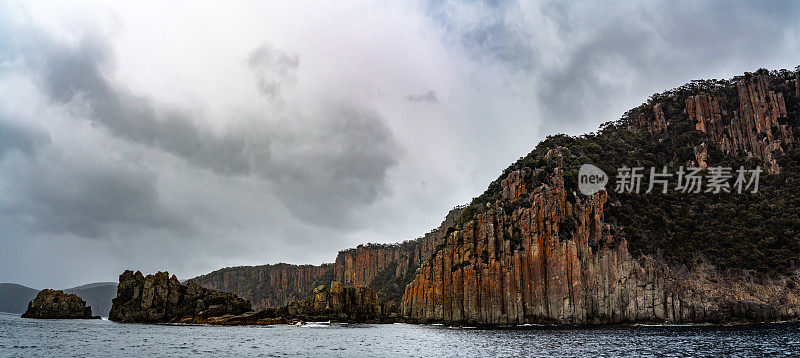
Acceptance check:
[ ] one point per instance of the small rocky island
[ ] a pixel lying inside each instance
(57, 304)
(160, 298)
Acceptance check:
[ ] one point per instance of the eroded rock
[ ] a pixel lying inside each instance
(57, 304)
(342, 304)
(160, 298)
(523, 267)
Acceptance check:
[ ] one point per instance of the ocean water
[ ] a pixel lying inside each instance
(101, 338)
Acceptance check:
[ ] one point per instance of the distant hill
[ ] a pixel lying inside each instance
(98, 295)
(93, 285)
(14, 298)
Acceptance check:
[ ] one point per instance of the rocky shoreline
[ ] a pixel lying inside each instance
(160, 298)
(531, 250)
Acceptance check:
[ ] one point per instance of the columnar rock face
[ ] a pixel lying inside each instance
(660, 123)
(554, 261)
(541, 253)
(160, 298)
(342, 304)
(534, 256)
(656, 125)
(385, 268)
(704, 111)
(359, 266)
(753, 128)
(268, 285)
(797, 85)
(57, 304)
(366, 263)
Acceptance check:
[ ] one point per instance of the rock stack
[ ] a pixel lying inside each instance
(160, 298)
(57, 304)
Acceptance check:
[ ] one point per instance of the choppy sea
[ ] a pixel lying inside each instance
(21, 337)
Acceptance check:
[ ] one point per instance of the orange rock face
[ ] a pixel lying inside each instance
(704, 111)
(277, 285)
(549, 259)
(557, 262)
(361, 265)
(267, 285)
(752, 129)
(660, 124)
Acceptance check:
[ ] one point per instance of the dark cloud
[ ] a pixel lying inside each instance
(427, 97)
(74, 73)
(15, 137)
(59, 190)
(353, 150)
(85, 197)
(326, 167)
(274, 69)
(497, 34)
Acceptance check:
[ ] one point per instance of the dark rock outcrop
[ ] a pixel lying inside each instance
(341, 304)
(57, 304)
(332, 303)
(160, 298)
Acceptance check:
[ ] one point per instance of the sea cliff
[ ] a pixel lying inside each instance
(532, 249)
(386, 268)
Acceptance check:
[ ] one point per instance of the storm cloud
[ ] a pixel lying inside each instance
(322, 170)
(88, 198)
(16, 137)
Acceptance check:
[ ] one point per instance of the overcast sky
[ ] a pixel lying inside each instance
(189, 136)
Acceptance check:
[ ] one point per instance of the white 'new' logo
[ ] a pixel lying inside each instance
(591, 179)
